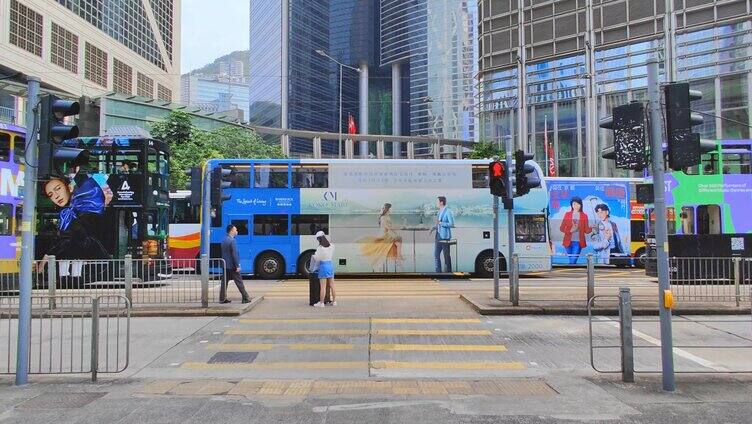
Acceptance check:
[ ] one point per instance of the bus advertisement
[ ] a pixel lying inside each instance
(380, 214)
(12, 144)
(637, 247)
(590, 216)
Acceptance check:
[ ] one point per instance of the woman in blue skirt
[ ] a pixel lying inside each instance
(324, 255)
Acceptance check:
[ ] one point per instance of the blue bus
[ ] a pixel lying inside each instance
(380, 215)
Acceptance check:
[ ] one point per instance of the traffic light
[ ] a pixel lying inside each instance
(683, 145)
(525, 177)
(497, 178)
(628, 125)
(194, 185)
(219, 183)
(52, 132)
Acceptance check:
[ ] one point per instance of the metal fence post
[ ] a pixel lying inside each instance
(737, 280)
(590, 278)
(128, 275)
(625, 332)
(204, 281)
(52, 280)
(94, 338)
(514, 280)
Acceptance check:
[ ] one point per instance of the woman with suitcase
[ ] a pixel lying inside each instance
(323, 256)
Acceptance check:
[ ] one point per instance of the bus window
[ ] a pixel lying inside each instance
(480, 176)
(270, 176)
(710, 164)
(670, 220)
(687, 217)
(182, 212)
(708, 219)
(270, 225)
(240, 175)
(4, 147)
(308, 225)
(6, 215)
(530, 228)
(737, 163)
(241, 225)
(308, 176)
(19, 218)
(19, 147)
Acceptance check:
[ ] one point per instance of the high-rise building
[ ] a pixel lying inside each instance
(574, 60)
(215, 94)
(92, 47)
(415, 63)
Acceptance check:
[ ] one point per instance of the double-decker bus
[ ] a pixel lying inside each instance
(637, 244)
(380, 215)
(185, 231)
(707, 206)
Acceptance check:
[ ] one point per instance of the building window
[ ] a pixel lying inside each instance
(25, 28)
(734, 107)
(144, 86)
(96, 65)
(164, 93)
(122, 77)
(64, 48)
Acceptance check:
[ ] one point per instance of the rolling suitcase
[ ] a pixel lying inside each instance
(314, 288)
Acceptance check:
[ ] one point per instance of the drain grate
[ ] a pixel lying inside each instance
(233, 357)
(59, 401)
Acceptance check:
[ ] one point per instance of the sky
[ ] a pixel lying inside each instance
(210, 29)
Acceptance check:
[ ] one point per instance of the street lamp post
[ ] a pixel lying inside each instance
(341, 67)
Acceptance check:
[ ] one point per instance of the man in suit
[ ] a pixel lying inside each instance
(232, 266)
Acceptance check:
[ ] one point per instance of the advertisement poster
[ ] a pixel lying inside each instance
(588, 217)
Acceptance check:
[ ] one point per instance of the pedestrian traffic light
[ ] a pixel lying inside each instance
(525, 177)
(628, 125)
(684, 148)
(498, 179)
(52, 155)
(219, 183)
(194, 185)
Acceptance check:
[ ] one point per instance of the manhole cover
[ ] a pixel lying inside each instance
(60, 401)
(233, 357)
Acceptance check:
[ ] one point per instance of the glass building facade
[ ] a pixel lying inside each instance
(707, 43)
(265, 64)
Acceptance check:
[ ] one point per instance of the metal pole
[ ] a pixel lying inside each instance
(661, 225)
(27, 236)
(205, 281)
(514, 279)
(590, 278)
(206, 210)
(625, 333)
(52, 280)
(510, 196)
(94, 338)
(496, 247)
(737, 280)
(128, 277)
(339, 136)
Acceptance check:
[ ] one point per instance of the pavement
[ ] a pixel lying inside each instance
(399, 351)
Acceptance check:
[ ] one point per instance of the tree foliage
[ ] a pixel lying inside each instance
(487, 150)
(191, 146)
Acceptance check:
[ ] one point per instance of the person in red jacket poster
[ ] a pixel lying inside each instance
(574, 226)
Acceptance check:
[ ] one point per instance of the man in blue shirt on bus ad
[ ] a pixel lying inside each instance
(444, 224)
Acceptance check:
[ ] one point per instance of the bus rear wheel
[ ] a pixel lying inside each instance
(270, 266)
(304, 262)
(641, 256)
(484, 264)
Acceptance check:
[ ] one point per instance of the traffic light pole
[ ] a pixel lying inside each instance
(510, 209)
(661, 225)
(27, 235)
(496, 247)
(206, 210)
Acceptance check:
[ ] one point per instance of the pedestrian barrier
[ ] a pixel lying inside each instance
(624, 343)
(142, 281)
(711, 279)
(81, 334)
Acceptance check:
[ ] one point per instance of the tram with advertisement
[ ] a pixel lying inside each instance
(707, 206)
(12, 163)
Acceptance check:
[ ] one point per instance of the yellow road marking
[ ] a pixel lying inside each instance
(241, 347)
(307, 321)
(342, 332)
(252, 347)
(422, 332)
(439, 348)
(276, 365)
(375, 296)
(426, 321)
(449, 365)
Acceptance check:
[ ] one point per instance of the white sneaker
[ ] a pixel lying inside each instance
(334, 303)
(318, 305)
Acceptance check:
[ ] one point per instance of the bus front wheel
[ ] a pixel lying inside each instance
(304, 263)
(270, 266)
(484, 264)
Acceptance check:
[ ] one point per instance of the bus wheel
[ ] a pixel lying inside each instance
(484, 264)
(270, 265)
(641, 257)
(304, 262)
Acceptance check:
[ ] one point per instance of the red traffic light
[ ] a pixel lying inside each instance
(497, 169)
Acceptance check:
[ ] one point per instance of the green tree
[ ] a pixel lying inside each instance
(486, 150)
(191, 146)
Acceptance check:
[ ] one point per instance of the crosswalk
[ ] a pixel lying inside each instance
(360, 289)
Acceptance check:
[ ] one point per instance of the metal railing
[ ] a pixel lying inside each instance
(711, 279)
(141, 281)
(82, 334)
(627, 348)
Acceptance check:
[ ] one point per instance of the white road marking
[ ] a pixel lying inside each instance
(374, 405)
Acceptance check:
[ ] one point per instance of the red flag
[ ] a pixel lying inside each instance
(351, 128)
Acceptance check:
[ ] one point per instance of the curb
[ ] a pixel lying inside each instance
(582, 311)
(211, 311)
